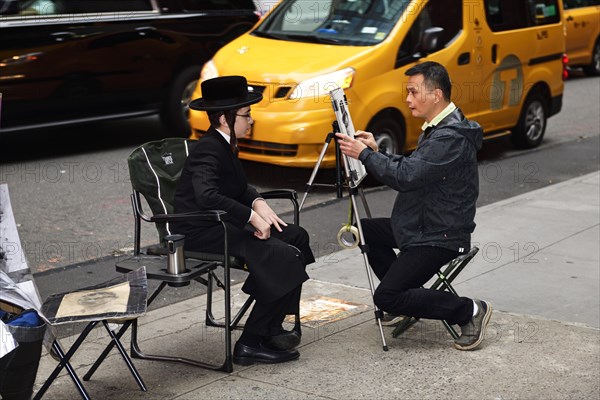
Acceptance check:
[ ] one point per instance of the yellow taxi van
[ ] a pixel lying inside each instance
(505, 58)
(582, 21)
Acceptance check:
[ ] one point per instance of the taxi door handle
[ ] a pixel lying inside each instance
(570, 18)
(494, 53)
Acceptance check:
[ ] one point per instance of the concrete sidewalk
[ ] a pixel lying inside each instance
(538, 265)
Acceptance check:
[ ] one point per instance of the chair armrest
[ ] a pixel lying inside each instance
(211, 215)
(279, 194)
(288, 194)
(234, 262)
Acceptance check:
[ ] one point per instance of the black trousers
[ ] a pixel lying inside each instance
(276, 269)
(265, 319)
(402, 276)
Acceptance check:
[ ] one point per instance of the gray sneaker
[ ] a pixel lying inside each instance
(473, 332)
(391, 319)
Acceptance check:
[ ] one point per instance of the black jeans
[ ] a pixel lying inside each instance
(402, 277)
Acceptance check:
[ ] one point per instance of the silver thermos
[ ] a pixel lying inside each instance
(175, 260)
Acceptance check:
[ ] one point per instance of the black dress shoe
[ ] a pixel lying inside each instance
(285, 340)
(246, 355)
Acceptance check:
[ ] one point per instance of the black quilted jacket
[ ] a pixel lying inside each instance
(437, 185)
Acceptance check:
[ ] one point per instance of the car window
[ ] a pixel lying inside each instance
(199, 5)
(446, 14)
(344, 22)
(54, 7)
(505, 15)
(569, 4)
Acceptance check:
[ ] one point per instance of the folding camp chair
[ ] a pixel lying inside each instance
(155, 169)
(445, 277)
(123, 298)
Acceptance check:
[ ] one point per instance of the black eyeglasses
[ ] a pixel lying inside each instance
(247, 115)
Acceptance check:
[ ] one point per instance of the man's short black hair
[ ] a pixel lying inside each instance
(435, 77)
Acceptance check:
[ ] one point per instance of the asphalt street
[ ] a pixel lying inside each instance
(70, 188)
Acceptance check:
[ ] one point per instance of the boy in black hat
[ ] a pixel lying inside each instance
(213, 179)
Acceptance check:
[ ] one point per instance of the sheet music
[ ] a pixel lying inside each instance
(339, 102)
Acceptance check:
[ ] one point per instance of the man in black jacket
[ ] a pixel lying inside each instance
(433, 215)
(213, 178)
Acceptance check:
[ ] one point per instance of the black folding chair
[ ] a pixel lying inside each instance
(103, 305)
(446, 275)
(155, 169)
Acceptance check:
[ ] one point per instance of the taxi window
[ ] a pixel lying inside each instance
(503, 15)
(446, 14)
(569, 4)
(343, 22)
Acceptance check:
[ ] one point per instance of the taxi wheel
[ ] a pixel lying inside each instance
(174, 113)
(594, 68)
(532, 123)
(388, 134)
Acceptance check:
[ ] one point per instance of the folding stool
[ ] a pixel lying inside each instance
(136, 306)
(446, 275)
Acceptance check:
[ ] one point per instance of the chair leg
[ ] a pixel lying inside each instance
(106, 351)
(228, 364)
(442, 283)
(210, 318)
(297, 324)
(236, 320)
(403, 326)
(136, 352)
(64, 363)
(451, 330)
(118, 336)
(235, 323)
(448, 286)
(125, 356)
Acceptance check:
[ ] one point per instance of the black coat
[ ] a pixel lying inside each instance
(213, 178)
(437, 185)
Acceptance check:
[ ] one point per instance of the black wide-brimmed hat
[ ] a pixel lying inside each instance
(225, 93)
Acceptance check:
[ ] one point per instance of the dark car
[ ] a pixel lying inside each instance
(75, 61)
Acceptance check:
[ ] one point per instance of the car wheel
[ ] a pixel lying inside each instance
(388, 134)
(532, 123)
(594, 68)
(174, 113)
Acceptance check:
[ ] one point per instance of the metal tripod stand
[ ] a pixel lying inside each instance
(341, 175)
